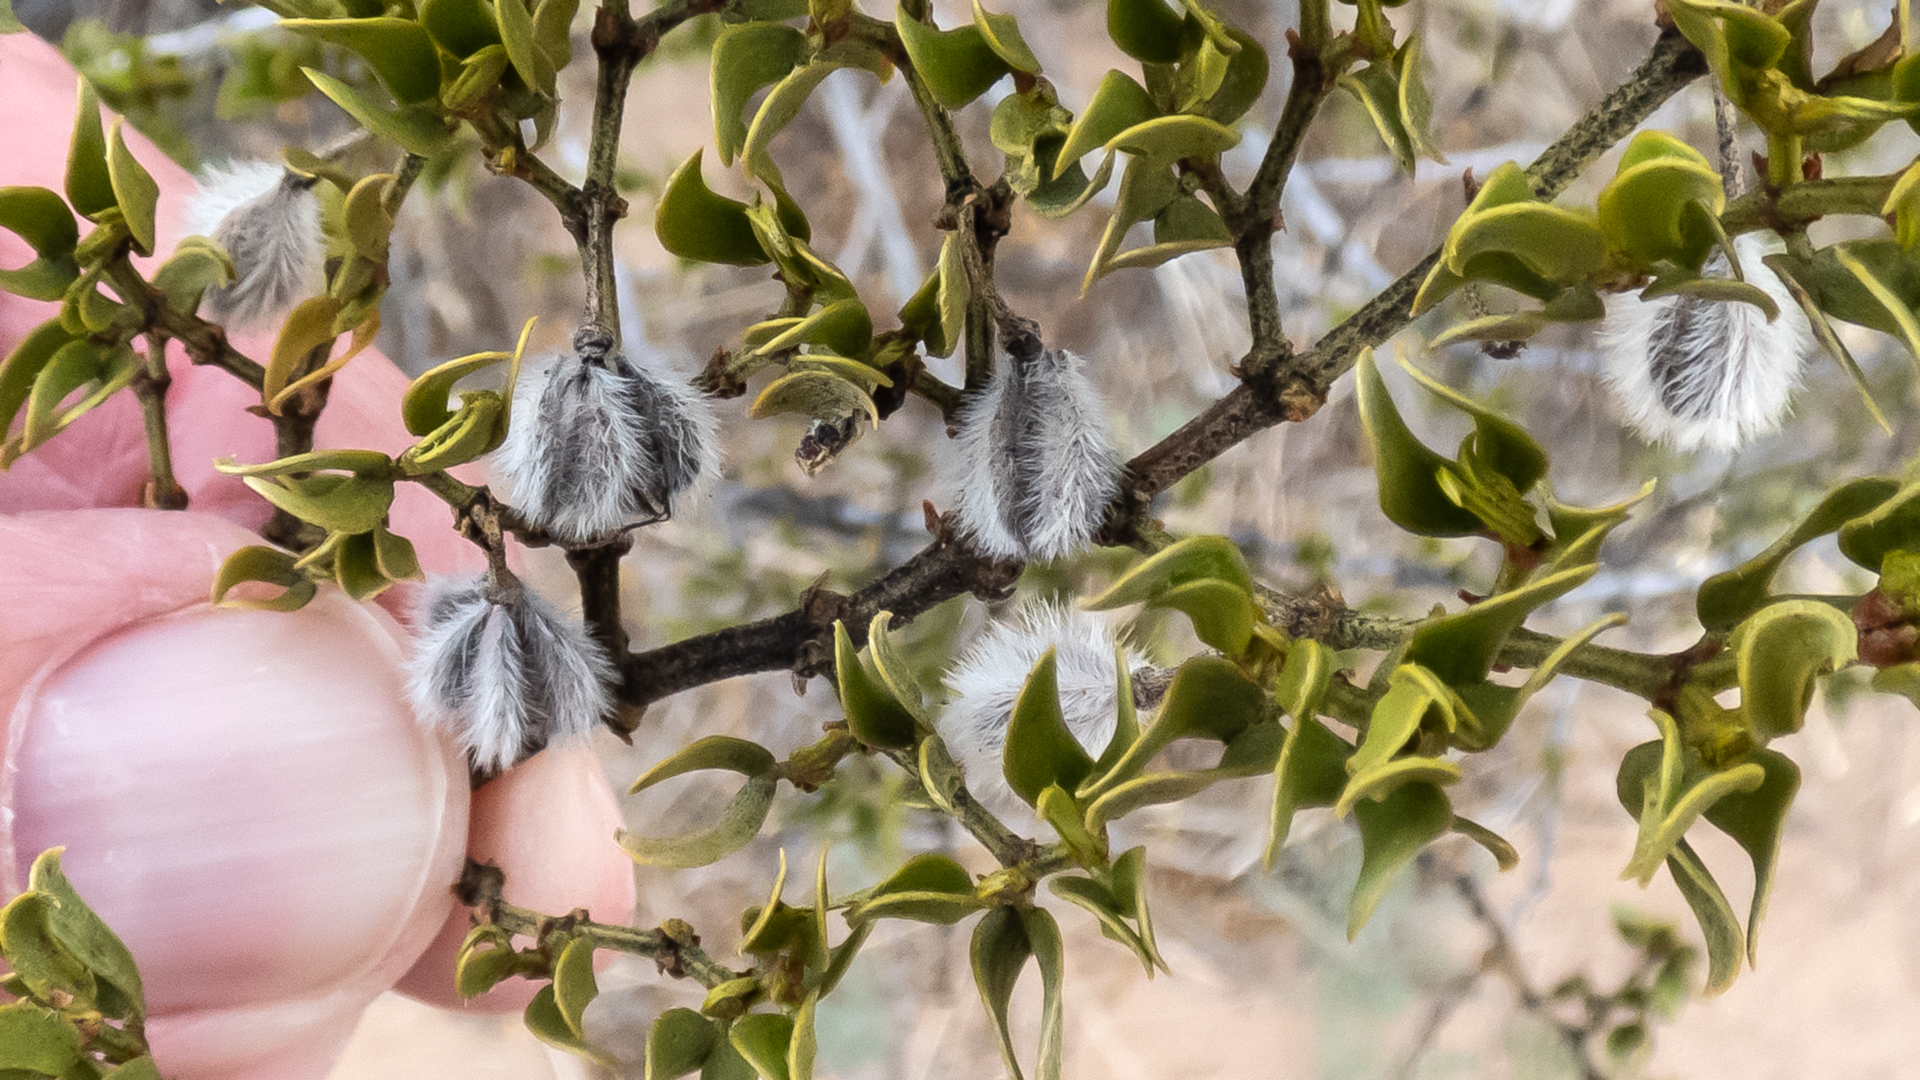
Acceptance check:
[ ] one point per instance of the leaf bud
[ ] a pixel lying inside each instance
(504, 672)
(602, 444)
(267, 219)
(1034, 468)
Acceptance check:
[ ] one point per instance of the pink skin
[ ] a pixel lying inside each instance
(245, 796)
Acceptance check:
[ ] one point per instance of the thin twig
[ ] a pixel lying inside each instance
(150, 386)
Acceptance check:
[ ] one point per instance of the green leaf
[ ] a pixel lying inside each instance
(939, 776)
(574, 986)
(1253, 752)
(1906, 323)
(479, 73)
(195, 266)
(398, 50)
(1222, 613)
(424, 407)
(270, 565)
(1392, 832)
(747, 57)
(1489, 709)
(1643, 209)
(359, 462)
(134, 189)
(1501, 444)
(478, 427)
(74, 366)
(763, 1039)
(477, 970)
(40, 218)
(763, 935)
(713, 752)
(1755, 819)
(1040, 750)
(1311, 771)
(544, 1018)
(843, 327)
(727, 1064)
(1146, 30)
(1126, 724)
(462, 27)
(823, 395)
(89, 939)
(1198, 558)
(739, 823)
(1715, 915)
(1099, 902)
(957, 65)
(9, 23)
(413, 128)
(1675, 801)
(1780, 652)
(1460, 647)
(1736, 40)
(1118, 105)
(22, 367)
(782, 104)
(874, 715)
(894, 671)
(1209, 698)
(516, 33)
(1129, 890)
(1410, 492)
(348, 504)
(1377, 88)
(38, 959)
(1168, 139)
(1043, 937)
(1504, 855)
(802, 1049)
(694, 223)
(553, 30)
(89, 187)
(1893, 525)
(36, 1041)
(1002, 35)
(1304, 678)
(680, 1042)
(1415, 106)
(999, 950)
(1556, 244)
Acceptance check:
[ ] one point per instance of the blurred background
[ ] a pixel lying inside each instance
(1453, 976)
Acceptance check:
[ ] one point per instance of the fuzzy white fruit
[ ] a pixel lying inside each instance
(1697, 374)
(1033, 468)
(988, 679)
(505, 674)
(601, 444)
(268, 221)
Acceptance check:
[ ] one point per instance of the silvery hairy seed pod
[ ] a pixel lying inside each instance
(1696, 373)
(268, 220)
(1034, 469)
(987, 681)
(601, 443)
(504, 672)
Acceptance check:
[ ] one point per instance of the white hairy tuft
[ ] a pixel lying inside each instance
(988, 679)
(268, 221)
(507, 675)
(593, 449)
(1695, 373)
(1034, 469)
